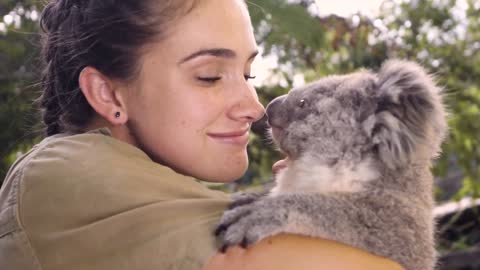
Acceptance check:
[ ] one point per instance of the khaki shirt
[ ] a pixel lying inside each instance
(89, 201)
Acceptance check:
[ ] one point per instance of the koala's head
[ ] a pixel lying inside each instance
(393, 117)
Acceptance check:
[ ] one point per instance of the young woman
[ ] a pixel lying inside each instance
(140, 99)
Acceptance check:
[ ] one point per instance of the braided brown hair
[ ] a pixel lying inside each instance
(107, 35)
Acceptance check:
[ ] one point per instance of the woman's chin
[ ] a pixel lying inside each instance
(229, 175)
(224, 180)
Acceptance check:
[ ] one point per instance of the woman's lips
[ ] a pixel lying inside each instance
(281, 164)
(240, 137)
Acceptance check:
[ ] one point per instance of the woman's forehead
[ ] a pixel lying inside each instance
(213, 24)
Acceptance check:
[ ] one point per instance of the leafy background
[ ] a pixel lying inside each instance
(443, 35)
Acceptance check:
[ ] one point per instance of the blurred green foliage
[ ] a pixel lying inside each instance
(443, 35)
(19, 48)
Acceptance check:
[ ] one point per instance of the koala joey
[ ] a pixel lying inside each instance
(358, 152)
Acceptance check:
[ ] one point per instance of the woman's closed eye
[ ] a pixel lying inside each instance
(213, 79)
(209, 79)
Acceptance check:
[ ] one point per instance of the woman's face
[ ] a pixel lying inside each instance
(193, 104)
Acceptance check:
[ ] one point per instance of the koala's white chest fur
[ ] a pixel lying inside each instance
(306, 175)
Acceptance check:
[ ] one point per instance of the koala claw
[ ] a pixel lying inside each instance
(220, 229)
(232, 216)
(244, 244)
(224, 248)
(246, 232)
(248, 224)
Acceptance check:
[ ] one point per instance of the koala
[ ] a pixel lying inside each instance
(359, 148)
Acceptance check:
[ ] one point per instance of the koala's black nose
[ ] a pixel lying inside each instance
(275, 114)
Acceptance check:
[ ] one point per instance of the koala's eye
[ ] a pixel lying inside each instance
(302, 103)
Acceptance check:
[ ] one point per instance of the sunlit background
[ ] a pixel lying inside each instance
(301, 41)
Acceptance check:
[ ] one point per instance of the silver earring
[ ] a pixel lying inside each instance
(117, 115)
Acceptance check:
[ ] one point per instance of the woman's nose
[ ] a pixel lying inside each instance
(248, 108)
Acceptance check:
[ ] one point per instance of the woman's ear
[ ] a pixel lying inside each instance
(103, 95)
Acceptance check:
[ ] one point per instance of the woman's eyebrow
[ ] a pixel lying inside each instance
(217, 52)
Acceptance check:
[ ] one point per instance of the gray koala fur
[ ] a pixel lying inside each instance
(359, 149)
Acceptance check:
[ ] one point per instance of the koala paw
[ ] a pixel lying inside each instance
(250, 223)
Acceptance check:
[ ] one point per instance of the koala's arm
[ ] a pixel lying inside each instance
(317, 215)
(380, 225)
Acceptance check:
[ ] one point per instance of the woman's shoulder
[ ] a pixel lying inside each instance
(65, 157)
(64, 150)
(298, 252)
(61, 159)
(96, 147)
(70, 188)
(96, 163)
(93, 170)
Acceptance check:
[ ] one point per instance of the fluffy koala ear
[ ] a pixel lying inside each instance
(409, 114)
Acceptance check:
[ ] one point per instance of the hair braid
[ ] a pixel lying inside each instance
(107, 35)
(59, 87)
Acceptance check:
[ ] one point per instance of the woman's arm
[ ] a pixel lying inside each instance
(298, 252)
